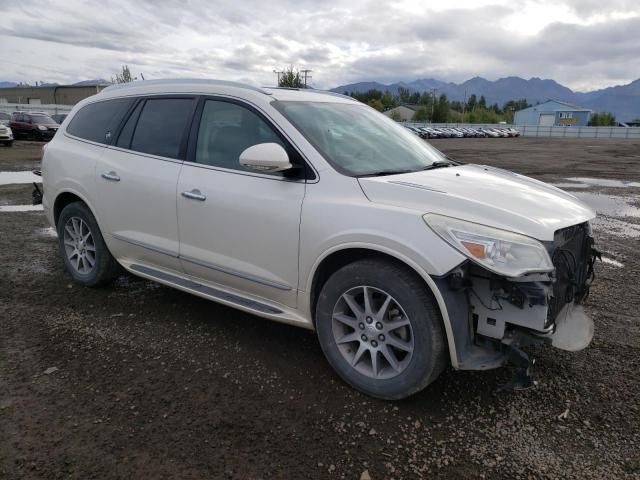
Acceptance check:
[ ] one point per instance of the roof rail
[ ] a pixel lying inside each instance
(178, 81)
(336, 94)
(313, 90)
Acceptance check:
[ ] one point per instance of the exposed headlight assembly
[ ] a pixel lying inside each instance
(41, 127)
(500, 251)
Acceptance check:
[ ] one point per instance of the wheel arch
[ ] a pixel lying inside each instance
(342, 255)
(67, 197)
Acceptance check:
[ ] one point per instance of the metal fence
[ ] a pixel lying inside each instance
(23, 107)
(580, 132)
(553, 132)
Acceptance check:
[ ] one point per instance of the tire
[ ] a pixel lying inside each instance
(9, 144)
(340, 330)
(76, 217)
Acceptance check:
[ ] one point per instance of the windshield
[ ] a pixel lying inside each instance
(42, 120)
(357, 140)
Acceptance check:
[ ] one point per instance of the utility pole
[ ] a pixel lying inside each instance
(433, 103)
(306, 75)
(278, 73)
(464, 105)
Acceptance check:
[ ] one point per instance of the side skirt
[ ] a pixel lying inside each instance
(218, 295)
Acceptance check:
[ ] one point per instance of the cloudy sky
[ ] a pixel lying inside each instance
(584, 44)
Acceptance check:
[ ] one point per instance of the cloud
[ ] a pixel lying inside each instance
(584, 44)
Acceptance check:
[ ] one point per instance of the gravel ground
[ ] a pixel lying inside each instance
(141, 381)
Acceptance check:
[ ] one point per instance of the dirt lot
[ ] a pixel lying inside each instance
(142, 381)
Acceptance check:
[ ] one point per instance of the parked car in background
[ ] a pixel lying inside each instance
(490, 133)
(34, 125)
(430, 132)
(313, 209)
(59, 117)
(6, 136)
(5, 118)
(418, 131)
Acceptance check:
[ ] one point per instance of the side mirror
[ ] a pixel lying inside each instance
(265, 157)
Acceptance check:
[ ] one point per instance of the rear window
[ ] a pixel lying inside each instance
(97, 121)
(42, 120)
(160, 129)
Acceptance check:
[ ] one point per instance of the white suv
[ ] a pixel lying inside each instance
(313, 209)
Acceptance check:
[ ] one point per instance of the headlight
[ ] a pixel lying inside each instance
(500, 251)
(41, 127)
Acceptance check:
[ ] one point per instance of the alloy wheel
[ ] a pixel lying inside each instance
(372, 332)
(79, 245)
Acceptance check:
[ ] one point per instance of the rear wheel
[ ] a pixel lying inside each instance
(380, 329)
(82, 247)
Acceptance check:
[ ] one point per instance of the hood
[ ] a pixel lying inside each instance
(482, 194)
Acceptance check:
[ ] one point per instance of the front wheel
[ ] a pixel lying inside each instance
(380, 329)
(82, 247)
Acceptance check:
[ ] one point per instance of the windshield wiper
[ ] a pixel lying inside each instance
(381, 173)
(438, 164)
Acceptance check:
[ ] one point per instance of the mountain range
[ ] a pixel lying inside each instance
(623, 100)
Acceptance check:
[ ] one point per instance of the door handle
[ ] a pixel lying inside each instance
(113, 176)
(195, 194)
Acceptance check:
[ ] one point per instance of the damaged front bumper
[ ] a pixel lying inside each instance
(493, 316)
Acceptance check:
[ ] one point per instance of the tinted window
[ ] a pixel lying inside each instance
(124, 140)
(161, 126)
(97, 121)
(226, 130)
(42, 120)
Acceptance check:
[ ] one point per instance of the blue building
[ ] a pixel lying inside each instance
(553, 113)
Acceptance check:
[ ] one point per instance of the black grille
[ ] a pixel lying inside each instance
(572, 256)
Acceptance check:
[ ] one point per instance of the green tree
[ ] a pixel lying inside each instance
(291, 78)
(472, 102)
(377, 104)
(395, 115)
(387, 100)
(404, 95)
(441, 109)
(482, 103)
(123, 77)
(422, 114)
(603, 119)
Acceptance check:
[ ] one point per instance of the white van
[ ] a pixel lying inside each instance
(313, 209)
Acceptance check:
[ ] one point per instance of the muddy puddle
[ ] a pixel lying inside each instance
(615, 212)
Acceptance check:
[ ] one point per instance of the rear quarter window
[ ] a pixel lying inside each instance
(97, 121)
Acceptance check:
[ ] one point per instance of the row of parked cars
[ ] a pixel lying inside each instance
(460, 132)
(28, 125)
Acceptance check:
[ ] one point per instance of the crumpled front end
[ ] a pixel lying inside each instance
(492, 316)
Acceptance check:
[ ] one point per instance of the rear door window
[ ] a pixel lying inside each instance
(162, 126)
(98, 121)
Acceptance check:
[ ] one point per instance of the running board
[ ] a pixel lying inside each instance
(205, 290)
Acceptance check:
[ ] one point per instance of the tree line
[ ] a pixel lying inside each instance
(439, 109)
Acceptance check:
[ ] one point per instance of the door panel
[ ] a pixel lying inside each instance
(238, 229)
(138, 211)
(137, 183)
(244, 235)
